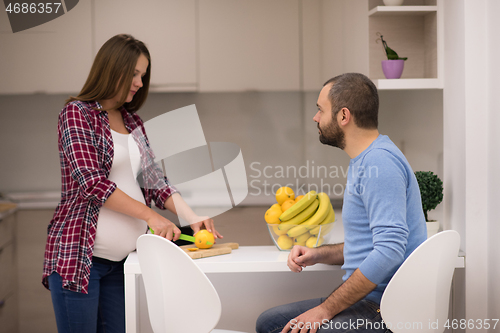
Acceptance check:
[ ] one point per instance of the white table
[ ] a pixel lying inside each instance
(257, 274)
(249, 280)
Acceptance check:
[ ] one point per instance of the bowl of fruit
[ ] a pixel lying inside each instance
(304, 220)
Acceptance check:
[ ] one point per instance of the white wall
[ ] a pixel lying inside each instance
(273, 129)
(493, 72)
(471, 159)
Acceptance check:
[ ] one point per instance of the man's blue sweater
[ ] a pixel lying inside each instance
(382, 214)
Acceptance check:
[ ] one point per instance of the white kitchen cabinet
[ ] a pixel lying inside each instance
(333, 40)
(249, 45)
(54, 57)
(413, 30)
(167, 27)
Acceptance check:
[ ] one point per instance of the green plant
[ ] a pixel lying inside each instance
(391, 54)
(431, 190)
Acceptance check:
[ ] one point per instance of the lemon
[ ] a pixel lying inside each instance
(284, 193)
(284, 242)
(298, 198)
(276, 206)
(287, 204)
(277, 231)
(202, 237)
(311, 242)
(272, 216)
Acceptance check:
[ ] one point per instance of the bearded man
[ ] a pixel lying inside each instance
(382, 217)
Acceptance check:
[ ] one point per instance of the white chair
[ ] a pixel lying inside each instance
(194, 308)
(418, 295)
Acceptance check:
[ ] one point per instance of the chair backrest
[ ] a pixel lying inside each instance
(418, 295)
(179, 295)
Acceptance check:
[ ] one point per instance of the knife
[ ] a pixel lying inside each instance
(185, 237)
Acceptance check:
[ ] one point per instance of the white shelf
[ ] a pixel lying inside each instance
(402, 10)
(406, 84)
(415, 32)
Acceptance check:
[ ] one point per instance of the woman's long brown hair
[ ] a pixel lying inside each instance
(113, 70)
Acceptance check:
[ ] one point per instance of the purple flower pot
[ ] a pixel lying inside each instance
(393, 68)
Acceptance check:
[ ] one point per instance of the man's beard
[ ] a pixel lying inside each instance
(332, 135)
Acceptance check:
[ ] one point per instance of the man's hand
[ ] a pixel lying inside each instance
(310, 321)
(300, 257)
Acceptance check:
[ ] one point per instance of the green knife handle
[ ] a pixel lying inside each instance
(184, 237)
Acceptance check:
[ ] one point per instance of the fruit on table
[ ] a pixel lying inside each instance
(319, 216)
(298, 198)
(284, 193)
(287, 204)
(301, 217)
(284, 242)
(277, 230)
(202, 237)
(311, 242)
(299, 206)
(277, 207)
(304, 222)
(324, 228)
(301, 239)
(272, 216)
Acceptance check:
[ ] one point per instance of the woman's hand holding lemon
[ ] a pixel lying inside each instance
(207, 223)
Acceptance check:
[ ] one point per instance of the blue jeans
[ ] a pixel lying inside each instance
(364, 316)
(101, 310)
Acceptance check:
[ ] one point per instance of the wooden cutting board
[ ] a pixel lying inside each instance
(215, 250)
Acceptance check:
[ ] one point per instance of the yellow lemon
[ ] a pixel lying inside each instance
(311, 242)
(272, 216)
(298, 198)
(276, 206)
(284, 193)
(287, 204)
(202, 237)
(284, 242)
(277, 231)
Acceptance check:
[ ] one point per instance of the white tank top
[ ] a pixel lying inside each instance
(117, 233)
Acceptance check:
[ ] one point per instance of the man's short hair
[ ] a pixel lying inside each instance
(357, 93)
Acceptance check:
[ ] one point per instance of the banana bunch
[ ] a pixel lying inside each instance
(298, 221)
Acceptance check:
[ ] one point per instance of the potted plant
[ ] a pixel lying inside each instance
(393, 66)
(431, 192)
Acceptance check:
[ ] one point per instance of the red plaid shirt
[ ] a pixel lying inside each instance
(86, 156)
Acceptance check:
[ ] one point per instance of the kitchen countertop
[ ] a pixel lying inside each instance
(7, 208)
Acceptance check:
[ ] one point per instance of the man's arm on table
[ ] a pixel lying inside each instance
(351, 291)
